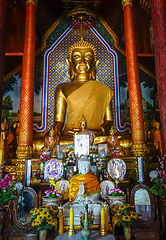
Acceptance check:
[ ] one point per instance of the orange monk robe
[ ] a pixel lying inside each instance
(157, 140)
(91, 185)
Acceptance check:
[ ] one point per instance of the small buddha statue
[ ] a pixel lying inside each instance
(84, 189)
(113, 141)
(85, 131)
(84, 184)
(51, 140)
(83, 96)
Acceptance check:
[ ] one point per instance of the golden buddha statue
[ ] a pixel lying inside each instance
(83, 96)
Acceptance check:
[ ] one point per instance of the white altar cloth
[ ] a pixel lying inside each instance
(94, 235)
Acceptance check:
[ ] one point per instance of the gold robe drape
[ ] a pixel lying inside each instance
(90, 181)
(90, 100)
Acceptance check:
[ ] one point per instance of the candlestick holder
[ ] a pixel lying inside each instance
(71, 231)
(103, 230)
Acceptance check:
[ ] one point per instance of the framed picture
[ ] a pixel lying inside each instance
(60, 151)
(81, 145)
(102, 150)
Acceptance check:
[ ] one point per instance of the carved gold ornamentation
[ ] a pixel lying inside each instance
(34, 2)
(24, 151)
(139, 149)
(127, 2)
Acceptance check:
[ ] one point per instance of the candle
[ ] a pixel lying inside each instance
(61, 227)
(106, 217)
(61, 224)
(102, 216)
(71, 218)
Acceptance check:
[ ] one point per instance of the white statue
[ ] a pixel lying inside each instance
(84, 189)
(84, 185)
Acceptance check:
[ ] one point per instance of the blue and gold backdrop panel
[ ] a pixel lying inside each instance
(58, 69)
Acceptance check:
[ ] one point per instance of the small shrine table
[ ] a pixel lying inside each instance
(94, 235)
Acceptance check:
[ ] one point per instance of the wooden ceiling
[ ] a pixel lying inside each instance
(49, 10)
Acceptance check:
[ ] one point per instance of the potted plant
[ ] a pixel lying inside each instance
(43, 158)
(158, 176)
(93, 159)
(100, 170)
(52, 197)
(8, 191)
(116, 197)
(39, 175)
(90, 219)
(70, 159)
(125, 215)
(44, 218)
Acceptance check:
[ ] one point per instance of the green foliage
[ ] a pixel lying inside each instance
(7, 189)
(7, 103)
(125, 214)
(14, 114)
(36, 114)
(9, 85)
(158, 176)
(43, 217)
(90, 218)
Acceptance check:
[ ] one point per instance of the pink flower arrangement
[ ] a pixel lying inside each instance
(93, 158)
(116, 192)
(43, 157)
(71, 158)
(100, 166)
(158, 176)
(7, 189)
(115, 154)
(52, 194)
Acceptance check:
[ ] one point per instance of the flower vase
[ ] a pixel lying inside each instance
(115, 200)
(127, 232)
(38, 180)
(52, 201)
(43, 234)
(3, 215)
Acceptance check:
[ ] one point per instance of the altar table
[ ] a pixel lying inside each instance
(94, 235)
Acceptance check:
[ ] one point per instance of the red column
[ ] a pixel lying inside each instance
(3, 13)
(25, 139)
(158, 10)
(136, 112)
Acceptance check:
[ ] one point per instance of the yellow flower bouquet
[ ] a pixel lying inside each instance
(44, 217)
(125, 214)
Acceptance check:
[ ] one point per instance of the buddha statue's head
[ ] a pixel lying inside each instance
(84, 165)
(82, 61)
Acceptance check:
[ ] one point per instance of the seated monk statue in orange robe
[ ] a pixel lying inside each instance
(84, 184)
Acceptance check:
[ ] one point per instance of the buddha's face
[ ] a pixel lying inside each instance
(82, 61)
(84, 167)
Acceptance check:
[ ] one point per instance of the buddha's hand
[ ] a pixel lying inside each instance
(81, 189)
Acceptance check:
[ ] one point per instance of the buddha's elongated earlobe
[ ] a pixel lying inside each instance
(71, 72)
